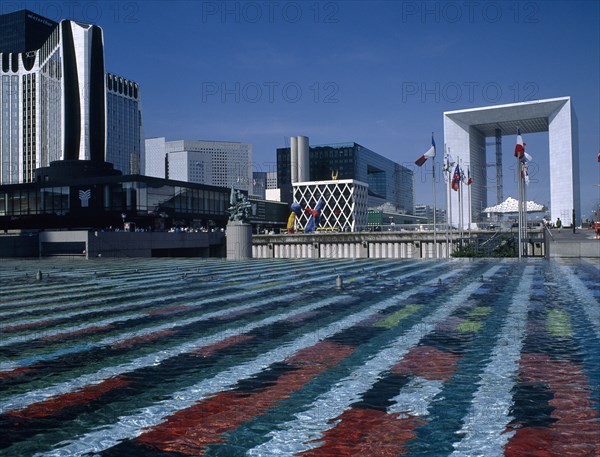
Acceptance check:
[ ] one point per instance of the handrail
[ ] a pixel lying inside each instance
(548, 230)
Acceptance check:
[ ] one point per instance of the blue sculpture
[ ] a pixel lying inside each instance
(315, 217)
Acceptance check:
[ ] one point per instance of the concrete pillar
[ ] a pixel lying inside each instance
(294, 158)
(363, 250)
(303, 159)
(239, 240)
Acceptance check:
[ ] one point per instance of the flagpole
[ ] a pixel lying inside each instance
(448, 209)
(434, 211)
(520, 204)
(469, 190)
(460, 205)
(450, 200)
(526, 251)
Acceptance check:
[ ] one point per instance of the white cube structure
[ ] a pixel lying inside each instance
(465, 133)
(345, 203)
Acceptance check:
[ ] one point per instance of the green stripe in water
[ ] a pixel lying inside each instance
(394, 319)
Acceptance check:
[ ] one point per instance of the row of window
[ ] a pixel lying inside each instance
(122, 86)
(131, 196)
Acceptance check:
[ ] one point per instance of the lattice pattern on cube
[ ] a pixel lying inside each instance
(345, 203)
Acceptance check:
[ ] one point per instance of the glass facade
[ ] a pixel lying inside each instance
(388, 181)
(41, 106)
(103, 200)
(23, 31)
(124, 142)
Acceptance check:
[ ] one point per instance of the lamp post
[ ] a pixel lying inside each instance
(123, 216)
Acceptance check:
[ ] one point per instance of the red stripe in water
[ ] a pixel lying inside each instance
(85, 331)
(55, 404)
(27, 326)
(209, 350)
(168, 310)
(576, 432)
(189, 431)
(143, 339)
(427, 362)
(370, 432)
(367, 432)
(16, 372)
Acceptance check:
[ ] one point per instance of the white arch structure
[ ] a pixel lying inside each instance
(465, 133)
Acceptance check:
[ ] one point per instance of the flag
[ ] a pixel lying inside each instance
(526, 156)
(520, 147)
(456, 178)
(430, 153)
(469, 179)
(525, 172)
(448, 163)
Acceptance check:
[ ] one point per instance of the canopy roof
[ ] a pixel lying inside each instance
(510, 205)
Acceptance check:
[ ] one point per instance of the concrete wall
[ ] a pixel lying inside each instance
(384, 245)
(350, 246)
(19, 246)
(575, 249)
(131, 244)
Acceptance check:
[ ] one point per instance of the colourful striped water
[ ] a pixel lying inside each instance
(185, 357)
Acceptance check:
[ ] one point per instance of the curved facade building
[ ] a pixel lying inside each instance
(54, 104)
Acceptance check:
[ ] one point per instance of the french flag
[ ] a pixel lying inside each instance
(520, 147)
(429, 154)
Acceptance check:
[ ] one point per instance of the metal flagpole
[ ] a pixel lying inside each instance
(448, 209)
(520, 204)
(435, 247)
(451, 228)
(469, 191)
(460, 206)
(524, 212)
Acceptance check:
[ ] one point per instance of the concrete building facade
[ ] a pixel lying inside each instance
(465, 133)
(215, 163)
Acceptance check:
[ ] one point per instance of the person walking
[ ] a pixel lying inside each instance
(558, 224)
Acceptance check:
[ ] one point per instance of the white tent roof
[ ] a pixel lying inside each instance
(510, 205)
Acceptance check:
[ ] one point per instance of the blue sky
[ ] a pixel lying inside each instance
(378, 73)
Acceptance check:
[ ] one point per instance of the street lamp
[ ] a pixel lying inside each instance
(123, 216)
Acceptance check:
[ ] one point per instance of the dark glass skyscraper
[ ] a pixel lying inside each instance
(389, 182)
(24, 31)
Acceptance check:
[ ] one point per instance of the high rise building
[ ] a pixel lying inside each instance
(216, 163)
(426, 211)
(272, 180)
(259, 184)
(23, 31)
(388, 181)
(54, 99)
(155, 158)
(124, 128)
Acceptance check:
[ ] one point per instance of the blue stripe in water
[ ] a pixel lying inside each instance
(437, 436)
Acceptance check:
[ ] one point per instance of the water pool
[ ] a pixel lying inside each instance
(195, 357)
